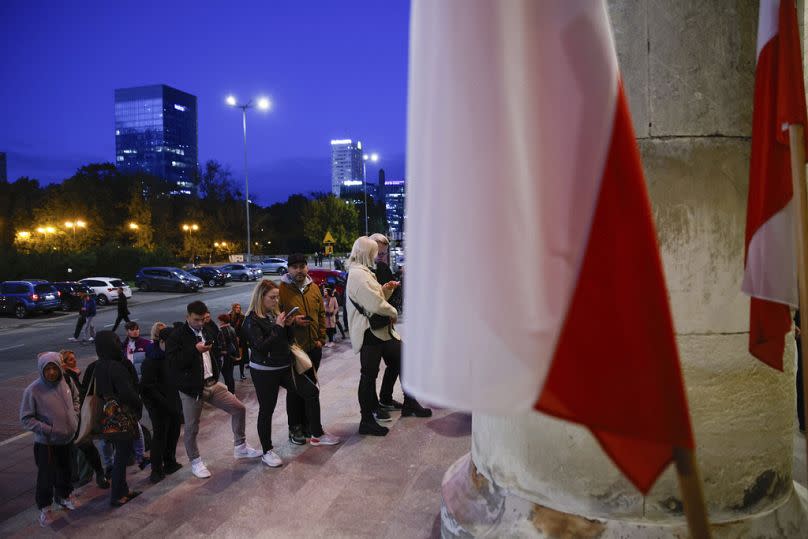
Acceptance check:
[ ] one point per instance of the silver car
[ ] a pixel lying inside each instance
(274, 265)
(239, 272)
(256, 270)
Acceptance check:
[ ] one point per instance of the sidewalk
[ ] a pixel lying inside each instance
(365, 487)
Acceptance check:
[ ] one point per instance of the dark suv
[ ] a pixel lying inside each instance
(21, 298)
(70, 294)
(167, 278)
(211, 276)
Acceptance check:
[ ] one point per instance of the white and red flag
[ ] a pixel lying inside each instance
(533, 273)
(770, 274)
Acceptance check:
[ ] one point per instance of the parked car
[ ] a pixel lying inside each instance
(209, 275)
(106, 288)
(274, 265)
(167, 278)
(22, 298)
(240, 272)
(257, 270)
(329, 278)
(70, 293)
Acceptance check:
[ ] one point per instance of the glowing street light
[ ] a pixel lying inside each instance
(23, 235)
(190, 228)
(263, 104)
(133, 226)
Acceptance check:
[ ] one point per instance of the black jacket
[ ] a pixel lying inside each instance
(159, 392)
(185, 361)
(384, 275)
(112, 378)
(123, 308)
(268, 341)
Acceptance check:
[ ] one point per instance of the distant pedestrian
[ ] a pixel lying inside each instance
(270, 334)
(331, 311)
(123, 309)
(237, 321)
(80, 320)
(49, 410)
(134, 346)
(162, 400)
(88, 310)
(191, 351)
(231, 354)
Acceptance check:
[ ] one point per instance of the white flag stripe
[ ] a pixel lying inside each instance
(771, 271)
(511, 106)
(767, 23)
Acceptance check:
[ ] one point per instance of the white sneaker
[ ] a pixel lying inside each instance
(325, 439)
(45, 517)
(244, 451)
(72, 339)
(68, 503)
(91, 339)
(199, 469)
(271, 459)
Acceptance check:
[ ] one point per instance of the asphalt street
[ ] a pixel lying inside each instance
(22, 340)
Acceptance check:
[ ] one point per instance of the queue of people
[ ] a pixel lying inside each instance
(174, 372)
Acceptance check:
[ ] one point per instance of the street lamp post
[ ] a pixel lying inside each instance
(190, 229)
(263, 104)
(374, 157)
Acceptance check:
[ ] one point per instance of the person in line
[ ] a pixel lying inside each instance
(134, 348)
(366, 298)
(269, 334)
(49, 410)
(191, 350)
(162, 400)
(88, 310)
(298, 290)
(80, 320)
(113, 379)
(231, 354)
(71, 372)
(331, 312)
(123, 309)
(237, 321)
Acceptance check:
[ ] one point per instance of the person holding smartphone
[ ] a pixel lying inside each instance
(191, 350)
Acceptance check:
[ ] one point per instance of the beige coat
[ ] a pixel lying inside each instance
(364, 289)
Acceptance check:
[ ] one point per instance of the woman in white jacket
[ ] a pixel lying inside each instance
(371, 321)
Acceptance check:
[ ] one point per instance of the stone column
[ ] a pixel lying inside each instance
(688, 67)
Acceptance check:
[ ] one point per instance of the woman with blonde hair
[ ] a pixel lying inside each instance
(269, 335)
(371, 320)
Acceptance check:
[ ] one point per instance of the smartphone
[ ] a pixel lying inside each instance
(292, 311)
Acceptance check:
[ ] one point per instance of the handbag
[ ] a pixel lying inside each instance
(89, 416)
(117, 422)
(377, 321)
(302, 361)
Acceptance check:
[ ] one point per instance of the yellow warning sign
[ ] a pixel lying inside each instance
(329, 239)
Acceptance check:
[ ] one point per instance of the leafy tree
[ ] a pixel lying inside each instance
(330, 214)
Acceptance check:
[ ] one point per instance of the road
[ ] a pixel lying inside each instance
(22, 340)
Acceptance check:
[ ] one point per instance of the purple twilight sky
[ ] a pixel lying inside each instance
(333, 69)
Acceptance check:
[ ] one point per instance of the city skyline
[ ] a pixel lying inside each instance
(59, 111)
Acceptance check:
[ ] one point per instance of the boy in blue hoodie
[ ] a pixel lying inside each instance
(50, 410)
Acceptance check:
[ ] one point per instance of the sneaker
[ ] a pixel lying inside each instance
(324, 439)
(45, 517)
(296, 436)
(243, 377)
(244, 451)
(390, 406)
(382, 415)
(199, 469)
(72, 339)
(271, 459)
(171, 467)
(371, 428)
(91, 339)
(414, 408)
(68, 503)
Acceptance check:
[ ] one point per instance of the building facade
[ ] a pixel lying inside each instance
(346, 164)
(156, 132)
(394, 203)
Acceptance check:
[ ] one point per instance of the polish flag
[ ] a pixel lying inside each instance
(770, 274)
(533, 275)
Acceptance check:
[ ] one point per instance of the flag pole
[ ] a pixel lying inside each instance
(796, 141)
(692, 496)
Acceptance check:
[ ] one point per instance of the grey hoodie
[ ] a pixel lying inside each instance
(48, 409)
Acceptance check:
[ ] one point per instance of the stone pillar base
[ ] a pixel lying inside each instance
(473, 506)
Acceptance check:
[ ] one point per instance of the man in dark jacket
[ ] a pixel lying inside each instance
(192, 351)
(48, 409)
(161, 398)
(123, 309)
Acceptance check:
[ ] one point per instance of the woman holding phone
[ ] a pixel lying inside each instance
(268, 332)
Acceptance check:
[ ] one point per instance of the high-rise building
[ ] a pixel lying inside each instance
(3, 167)
(156, 132)
(346, 164)
(394, 203)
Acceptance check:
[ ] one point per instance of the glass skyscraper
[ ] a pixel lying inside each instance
(346, 164)
(156, 132)
(394, 201)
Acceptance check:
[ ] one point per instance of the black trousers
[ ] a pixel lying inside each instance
(245, 357)
(79, 324)
(123, 450)
(93, 458)
(341, 329)
(295, 407)
(227, 373)
(331, 332)
(121, 316)
(267, 384)
(370, 356)
(165, 435)
(53, 473)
